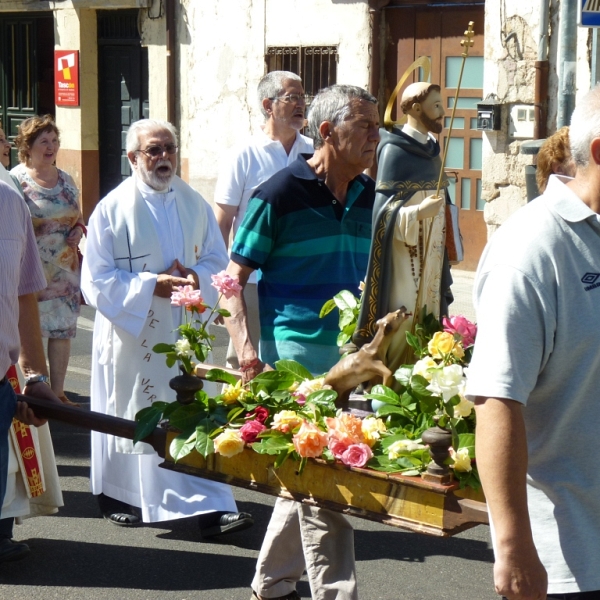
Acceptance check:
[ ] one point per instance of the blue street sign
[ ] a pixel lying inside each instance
(589, 13)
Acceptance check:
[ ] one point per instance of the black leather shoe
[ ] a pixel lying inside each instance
(118, 513)
(122, 519)
(218, 523)
(11, 550)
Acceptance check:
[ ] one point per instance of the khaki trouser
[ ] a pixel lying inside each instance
(303, 537)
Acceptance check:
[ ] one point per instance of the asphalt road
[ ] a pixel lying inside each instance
(76, 554)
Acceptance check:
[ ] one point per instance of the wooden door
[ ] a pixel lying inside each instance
(26, 70)
(436, 32)
(123, 92)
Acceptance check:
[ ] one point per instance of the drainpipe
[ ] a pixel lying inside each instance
(541, 75)
(567, 45)
(170, 14)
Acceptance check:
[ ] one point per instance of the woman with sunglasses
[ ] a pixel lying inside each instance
(53, 200)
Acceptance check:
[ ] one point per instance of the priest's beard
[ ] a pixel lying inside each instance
(160, 181)
(431, 124)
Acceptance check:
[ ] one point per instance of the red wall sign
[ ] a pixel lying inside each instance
(66, 77)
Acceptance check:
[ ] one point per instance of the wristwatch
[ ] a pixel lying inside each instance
(37, 379)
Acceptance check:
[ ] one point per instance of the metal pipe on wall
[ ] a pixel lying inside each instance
(541, 75)
(567, 45)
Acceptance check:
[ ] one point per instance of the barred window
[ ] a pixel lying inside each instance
(316, 65)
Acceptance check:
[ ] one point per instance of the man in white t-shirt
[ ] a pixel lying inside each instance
(535, 376)
(275, 146)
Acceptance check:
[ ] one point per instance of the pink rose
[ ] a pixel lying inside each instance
(357, 455)
(462, 327)
(187, 296)
(337, 446)
(250, 430)
(260, 413)
(226, 284)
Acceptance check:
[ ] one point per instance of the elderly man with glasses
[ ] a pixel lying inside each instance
(275, 146)
(146, 239)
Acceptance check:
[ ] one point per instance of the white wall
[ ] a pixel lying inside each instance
(223, 61)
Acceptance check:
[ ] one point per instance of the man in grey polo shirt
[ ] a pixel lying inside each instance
(535, 376)
(276, 145)
(21, 275)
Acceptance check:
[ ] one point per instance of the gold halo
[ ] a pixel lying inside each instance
(422, 61)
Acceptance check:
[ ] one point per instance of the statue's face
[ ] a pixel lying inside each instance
(432, 112)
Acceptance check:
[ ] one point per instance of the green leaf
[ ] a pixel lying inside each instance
(342, 338)
(419, 384)
(327, 308)
(182, 445)
(383, 394)
(187, 416)
(223, 312)
(281, 458)
(347, 317)
(345, 299)
(146, 421)
(403, 375)
(221, 375)
(273, 445)
(163, 348)
(171, 360)
(390, 409)
(295, 368)
(325, 398)
(204, 444)
(269, 381)
(467, 440)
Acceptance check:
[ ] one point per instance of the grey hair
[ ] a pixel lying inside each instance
(271, 86)
(146, 125)
(585, 126)
(333, 104)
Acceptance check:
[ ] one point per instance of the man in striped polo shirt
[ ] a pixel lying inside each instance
(307, 233)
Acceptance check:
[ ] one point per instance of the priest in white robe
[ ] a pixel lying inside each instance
(148, 237)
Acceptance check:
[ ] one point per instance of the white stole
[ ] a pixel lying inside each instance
(140, 375)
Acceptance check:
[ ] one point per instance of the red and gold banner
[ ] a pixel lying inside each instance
(27, 457)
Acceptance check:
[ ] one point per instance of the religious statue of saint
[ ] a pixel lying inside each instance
(408, 265)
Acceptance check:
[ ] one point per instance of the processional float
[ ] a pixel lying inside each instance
(425, 505)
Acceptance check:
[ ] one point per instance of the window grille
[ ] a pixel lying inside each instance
(118, 25)
(316, 65)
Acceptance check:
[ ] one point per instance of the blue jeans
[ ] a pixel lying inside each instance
(8, 405)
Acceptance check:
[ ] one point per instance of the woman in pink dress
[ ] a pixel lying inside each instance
(53, 200)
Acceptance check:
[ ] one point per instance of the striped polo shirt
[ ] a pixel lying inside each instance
(306, 247)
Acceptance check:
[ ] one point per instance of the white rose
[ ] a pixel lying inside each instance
(395, 449)
(183, 348)
(461, 458)
(447, 382)
(425, 367)
(308, 386)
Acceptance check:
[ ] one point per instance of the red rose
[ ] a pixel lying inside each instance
(250, 430)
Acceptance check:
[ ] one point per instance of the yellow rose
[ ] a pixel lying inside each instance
(229, 443)
(233, 393)
(371, 429)
(308, 386)
(458, 351)
(441, 344)
(424, 367)
(285, 421)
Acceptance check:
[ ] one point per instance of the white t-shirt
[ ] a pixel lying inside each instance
(251, 164)
(537, 298)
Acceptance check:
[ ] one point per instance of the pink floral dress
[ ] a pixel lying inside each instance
(54, 212)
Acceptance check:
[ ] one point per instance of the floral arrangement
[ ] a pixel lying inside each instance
(288, 413)
(429, 393)
(195, 341)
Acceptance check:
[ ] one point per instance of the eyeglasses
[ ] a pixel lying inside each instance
(294, 98)
(156, 151)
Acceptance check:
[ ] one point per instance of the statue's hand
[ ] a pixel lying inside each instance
(429, 207)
